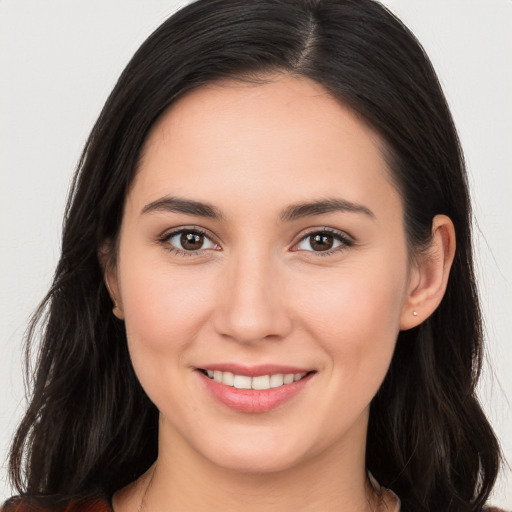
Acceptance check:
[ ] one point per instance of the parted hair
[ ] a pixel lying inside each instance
(91, 428)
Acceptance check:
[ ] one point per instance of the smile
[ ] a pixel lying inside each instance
(256, 389)
(261, 382)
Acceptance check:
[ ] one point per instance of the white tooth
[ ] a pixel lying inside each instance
(228, 378)
(217, 376)
(298, 376)
(288, 378)
(276, 380)
(210, 373)
(242, 382)
(261, 382)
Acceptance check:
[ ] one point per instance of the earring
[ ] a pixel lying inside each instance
(415, 313)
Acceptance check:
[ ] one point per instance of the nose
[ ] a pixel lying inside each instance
(252, 303)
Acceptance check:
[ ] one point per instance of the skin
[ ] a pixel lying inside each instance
(257, 292)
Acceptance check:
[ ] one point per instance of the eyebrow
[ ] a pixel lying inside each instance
(187, 206)
(290, 213)
(308, 209)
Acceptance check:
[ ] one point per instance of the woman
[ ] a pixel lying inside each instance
(265, 298)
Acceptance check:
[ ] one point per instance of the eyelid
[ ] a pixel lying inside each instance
(167, 235)
(342, 236)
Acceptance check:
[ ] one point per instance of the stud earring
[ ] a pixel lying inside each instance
(415, 313)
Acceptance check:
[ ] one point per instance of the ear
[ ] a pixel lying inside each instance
(107, 262)
(429, 274)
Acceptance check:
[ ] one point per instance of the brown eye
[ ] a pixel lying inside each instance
(192, 241)
(321, 242)
(324, 241)
(188, 241)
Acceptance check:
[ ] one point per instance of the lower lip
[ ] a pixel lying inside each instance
(254, 400)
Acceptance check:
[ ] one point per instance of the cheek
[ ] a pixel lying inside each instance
(164, 306)
(355, 315)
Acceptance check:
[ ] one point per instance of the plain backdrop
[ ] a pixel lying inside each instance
(59, 60)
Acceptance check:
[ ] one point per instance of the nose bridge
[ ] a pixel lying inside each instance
(251, 307)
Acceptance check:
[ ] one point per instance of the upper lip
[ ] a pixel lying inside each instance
(254, 370)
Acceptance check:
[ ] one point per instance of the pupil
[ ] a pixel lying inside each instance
(191, 241)
(322, 242)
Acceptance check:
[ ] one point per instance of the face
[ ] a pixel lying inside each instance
(262, 272)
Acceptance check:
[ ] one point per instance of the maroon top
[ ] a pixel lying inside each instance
(52, 504)
(90, 504)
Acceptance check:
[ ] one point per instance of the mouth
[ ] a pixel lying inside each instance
(255, 389)
(260, 382)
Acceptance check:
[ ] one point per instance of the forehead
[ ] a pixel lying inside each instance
(274, 102)
(287, 136)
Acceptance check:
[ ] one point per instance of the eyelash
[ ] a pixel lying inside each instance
(164, 240)
(344, 240)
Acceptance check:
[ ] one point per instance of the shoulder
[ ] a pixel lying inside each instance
(56, 504)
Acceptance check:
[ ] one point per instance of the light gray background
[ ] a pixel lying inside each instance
(58, 61)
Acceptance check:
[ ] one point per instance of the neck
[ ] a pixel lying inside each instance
(181, 479)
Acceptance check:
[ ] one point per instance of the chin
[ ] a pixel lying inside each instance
(261, 463)
(256, 455)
